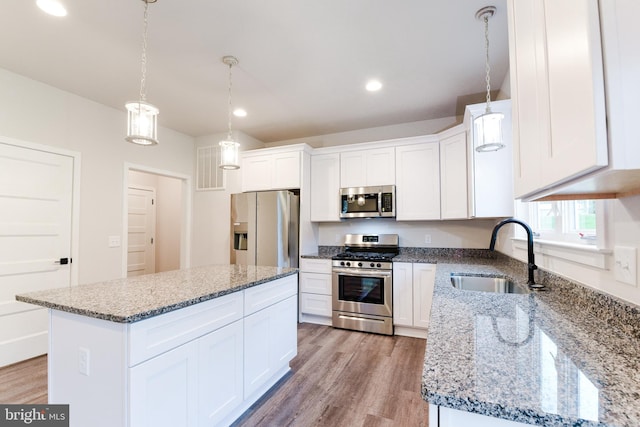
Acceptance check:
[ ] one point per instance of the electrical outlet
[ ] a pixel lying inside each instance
(83, 361)
(114, 241)
(625, 268)
(427, 238)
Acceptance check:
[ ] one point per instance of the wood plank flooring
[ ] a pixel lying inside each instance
(339, 378)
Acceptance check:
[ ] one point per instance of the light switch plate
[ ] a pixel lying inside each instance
(114, 241)
(625, 265)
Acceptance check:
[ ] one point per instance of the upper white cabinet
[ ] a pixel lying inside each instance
(362, 168)
(418, 181)
(325, 187)
(271, 169)
(453, 176)
(564, 56)
(490, 173)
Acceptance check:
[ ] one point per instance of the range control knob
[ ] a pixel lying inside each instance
(342, 263)
(348, 264)
(372, 265)
(378, 265)
(359, 264)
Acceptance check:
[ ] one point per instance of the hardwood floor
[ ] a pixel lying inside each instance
(24, 382)
(339, 378)
(346, 378)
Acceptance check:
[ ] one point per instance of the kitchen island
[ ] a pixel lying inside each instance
(182, 348)
(567, 356)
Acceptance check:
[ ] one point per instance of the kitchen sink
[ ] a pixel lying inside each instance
(499, 285)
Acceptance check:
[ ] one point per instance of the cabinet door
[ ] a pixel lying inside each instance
(453, 177)
(315, 283)
(270, 342)
(164, 389)
(418, 182)
(424, 277)
(381, 166)
(325, 187)
(220, 364)
(286, 171)
(402, 294)
(353, 169)
(256, 172)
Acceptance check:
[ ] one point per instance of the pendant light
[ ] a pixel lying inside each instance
(142, 117)
(488, 126)
(229, 147)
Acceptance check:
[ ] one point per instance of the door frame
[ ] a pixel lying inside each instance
(185, 227)
(75, 195)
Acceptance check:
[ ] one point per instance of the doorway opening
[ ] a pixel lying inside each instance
(156, 230)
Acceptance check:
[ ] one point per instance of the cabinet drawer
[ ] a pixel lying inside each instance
(315, 265)
(258, 297)
(315, 283)
(320, 305)
(156, 335)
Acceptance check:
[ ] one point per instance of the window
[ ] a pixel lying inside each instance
(572, 221)
(210, 176)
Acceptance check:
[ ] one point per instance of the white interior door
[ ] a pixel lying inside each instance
(141, 254)
(36, 196)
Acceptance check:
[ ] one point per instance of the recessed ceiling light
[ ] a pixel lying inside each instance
(52, 7)
(240, 112)
(373, 85)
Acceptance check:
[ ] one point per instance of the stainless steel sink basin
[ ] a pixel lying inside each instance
(486, 284)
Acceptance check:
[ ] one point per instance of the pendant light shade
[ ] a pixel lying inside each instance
(488, 127)
(142, 123)
(229, 147)
(142, 117)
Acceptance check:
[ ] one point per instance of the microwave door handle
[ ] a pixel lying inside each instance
(380, 203)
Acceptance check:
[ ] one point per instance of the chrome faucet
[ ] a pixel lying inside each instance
(531, 264)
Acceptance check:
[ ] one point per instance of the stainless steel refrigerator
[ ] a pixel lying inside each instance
(264, 228)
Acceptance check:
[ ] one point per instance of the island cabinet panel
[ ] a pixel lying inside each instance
(164, 389)
(161, 333)
(220, 384)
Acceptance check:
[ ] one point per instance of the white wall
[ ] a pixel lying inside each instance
(34, 112)
(474, 234)
(211, 209)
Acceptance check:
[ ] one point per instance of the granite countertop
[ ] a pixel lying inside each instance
(137, 298)
(567, 356)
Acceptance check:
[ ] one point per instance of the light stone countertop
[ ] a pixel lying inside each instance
(137, 298)
(568, 356)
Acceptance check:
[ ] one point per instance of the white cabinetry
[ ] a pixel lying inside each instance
(325, 187)
(453, 176)
(413, 286)
(268, 169)
(418, 181)
(315, 291)
(440, 416)
(362, 168)
(558, 51)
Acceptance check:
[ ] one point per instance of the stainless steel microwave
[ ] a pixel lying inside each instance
(368, 202)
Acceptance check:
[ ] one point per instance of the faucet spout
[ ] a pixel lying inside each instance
(531, 264)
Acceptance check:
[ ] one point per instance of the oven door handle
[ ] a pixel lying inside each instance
(360, 273)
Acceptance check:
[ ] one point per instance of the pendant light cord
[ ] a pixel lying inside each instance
(143, 79)
(487, 67)
(229, 106)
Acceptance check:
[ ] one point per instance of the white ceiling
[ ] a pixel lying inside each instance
(302, 63)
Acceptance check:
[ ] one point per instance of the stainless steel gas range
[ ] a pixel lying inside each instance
(362, 282)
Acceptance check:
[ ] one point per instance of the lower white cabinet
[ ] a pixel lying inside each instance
(440, 416)
(315, 291)
(270, 342)
(164, 389)
(413, 285)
